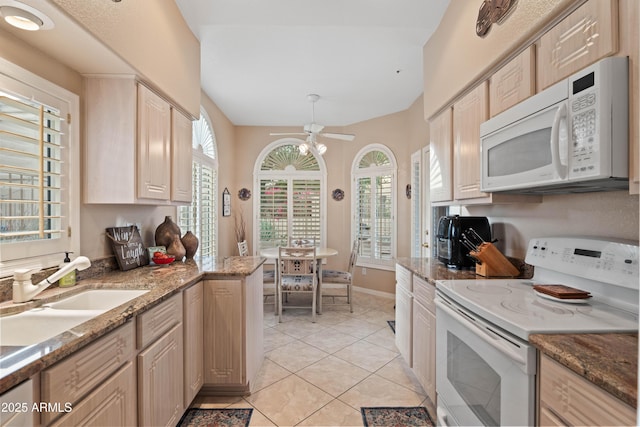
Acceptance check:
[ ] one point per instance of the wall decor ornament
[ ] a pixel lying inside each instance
(244, 194)
(491, 11)
(337, 194)
(226, 202)
(407, 191)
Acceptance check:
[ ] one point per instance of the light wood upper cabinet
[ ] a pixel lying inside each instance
(468, 113)
(440, 153)
(512, 83)
(181, 157)
(138, 147)
(586, 35)
(568, 399)
(154, 146)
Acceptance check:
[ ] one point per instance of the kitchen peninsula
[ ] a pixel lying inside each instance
(184, 299)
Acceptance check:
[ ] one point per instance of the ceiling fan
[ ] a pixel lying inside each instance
(313, 130)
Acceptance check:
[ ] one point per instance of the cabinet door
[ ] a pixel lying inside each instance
(160, 380)
(154, 145)
(424, 348)
(404, 324)
(514, 82)
(113, 403)
(254, 324)
(586, 35)
(181, 157)
(193, 342)
(576, 401)
(223, 332)
(440, 157)
(468, 113)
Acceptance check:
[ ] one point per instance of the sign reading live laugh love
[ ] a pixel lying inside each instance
(127, 246)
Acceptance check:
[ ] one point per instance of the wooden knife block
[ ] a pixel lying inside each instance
(494, 264)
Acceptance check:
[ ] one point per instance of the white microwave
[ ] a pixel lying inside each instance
(571, 137)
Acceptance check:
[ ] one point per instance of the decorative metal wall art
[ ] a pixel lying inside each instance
(244, 194)
(491, 11)
(337, 194)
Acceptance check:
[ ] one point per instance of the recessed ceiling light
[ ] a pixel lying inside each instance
(24, 17)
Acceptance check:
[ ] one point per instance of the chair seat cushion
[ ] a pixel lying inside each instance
(336, 276)
(297, 283)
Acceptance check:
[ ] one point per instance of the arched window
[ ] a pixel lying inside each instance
(291, 200)
(374, 205)
(200, 217)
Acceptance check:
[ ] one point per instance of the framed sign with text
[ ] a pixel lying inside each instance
(226, 202)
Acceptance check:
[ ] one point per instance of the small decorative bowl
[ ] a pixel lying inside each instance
(167, 260)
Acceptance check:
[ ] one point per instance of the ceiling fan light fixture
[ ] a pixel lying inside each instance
(24, 17)
(304, 148)
(321, 148)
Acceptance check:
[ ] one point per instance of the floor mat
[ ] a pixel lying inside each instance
(216, 417)
(392, 325)
(396, 417)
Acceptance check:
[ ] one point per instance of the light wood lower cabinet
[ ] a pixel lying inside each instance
(113, 403)
(233, 331)
(424, 336)
(160, 381)
(193, 342)
(568, 399)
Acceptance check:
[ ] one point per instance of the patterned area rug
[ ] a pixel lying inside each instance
(396, 417)
(392, 325)
(216, 417)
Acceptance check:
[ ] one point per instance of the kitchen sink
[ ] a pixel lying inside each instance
(97, 299)
(40, 324)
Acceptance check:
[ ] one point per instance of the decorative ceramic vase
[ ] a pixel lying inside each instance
(166, 232)
(176, 248)
(190, 243)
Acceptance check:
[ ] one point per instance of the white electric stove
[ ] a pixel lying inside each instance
(486, 368)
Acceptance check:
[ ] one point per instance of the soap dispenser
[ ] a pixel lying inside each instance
(68, 279)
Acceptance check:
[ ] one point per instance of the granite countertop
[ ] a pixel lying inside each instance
(610, 361)
(20, 363)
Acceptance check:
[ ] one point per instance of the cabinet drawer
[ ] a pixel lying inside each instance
(111, 404)
(155, 322)
(577, 401)
(71, 379)
(424, 292)
(403, 278)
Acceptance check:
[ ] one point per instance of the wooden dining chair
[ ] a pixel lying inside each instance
(297, 274)
(336, 280)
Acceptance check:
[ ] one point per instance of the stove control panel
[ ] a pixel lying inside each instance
(601, 260)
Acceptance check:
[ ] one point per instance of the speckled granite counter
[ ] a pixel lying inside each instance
(20, 363)
(431, 269)
(610, 361)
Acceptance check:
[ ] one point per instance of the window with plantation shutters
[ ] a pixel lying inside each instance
(36, 170)
(200, 216)
(290, 202)
(374, 206)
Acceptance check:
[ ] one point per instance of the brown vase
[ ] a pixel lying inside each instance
(166, 232)
(190, 243)
(176, 249)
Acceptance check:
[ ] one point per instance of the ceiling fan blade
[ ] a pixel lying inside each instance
(342, 136)
(313, 128)
(288, 133)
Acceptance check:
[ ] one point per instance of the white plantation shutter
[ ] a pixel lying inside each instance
(374, 206)
(291, 196)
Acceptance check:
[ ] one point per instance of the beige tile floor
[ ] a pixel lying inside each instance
(320, 374)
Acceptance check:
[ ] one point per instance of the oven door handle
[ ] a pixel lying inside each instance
(486, 335)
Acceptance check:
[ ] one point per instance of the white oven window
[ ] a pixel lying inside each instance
(474, 380)
(520, 154)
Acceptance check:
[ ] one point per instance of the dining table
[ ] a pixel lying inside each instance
(322, 253)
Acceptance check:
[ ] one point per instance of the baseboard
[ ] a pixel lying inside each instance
(374, 292)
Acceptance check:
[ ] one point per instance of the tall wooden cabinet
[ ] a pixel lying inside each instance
(233, 331)
(193, 342)
(138, 146)
(424, 336)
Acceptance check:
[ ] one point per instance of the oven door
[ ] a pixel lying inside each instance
(527, 153)
(484, 376)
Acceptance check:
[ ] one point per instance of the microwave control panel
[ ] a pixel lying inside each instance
(584, 127)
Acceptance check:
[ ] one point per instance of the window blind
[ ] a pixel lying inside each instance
(274, 216)
(31, 200)
(305, 215)
(199, 217)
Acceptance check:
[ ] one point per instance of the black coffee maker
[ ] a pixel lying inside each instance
(449, 247)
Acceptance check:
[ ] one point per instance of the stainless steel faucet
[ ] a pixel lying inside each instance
(24, 290)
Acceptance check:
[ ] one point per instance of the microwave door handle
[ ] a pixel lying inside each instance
(561, 113)
(485, 335)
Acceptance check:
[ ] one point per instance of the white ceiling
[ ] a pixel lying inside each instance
(261, 58)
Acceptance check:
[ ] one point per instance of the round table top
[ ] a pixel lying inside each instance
(320, 252)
